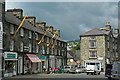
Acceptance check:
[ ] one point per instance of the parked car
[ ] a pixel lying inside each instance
(80, 69)
(83, 69)
(68, 69)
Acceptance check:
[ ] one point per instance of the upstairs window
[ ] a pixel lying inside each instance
(92, 54)
(12, 30)
(92, 44)
(21, 32)
(36, 34)
(108, 54)
(43, 50)
(108, 44)
(55, 42)
(11, 45)
(59, 43)
(37, 48)
(30, 47)
(30, 34)
(47, 39)
(47, 50)
(21, 46)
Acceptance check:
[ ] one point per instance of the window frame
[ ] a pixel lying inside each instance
(91, 53)
(22, 32)
(12, 29)
(12, 45)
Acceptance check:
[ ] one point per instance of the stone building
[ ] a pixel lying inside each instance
(100, 46)
(23, 54)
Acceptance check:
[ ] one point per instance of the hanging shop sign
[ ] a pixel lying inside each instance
(42, 57)
(100, 57)
(10, 55)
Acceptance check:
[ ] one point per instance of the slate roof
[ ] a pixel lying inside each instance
(75, 54)
(96, 31)
(12, 19)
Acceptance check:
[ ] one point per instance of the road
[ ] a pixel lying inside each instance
(82, 76)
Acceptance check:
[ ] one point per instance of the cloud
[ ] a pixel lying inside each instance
(69, 16)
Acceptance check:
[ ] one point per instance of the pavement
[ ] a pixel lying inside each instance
(58, 76)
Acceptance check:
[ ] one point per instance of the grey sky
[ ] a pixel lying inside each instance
(72, 18)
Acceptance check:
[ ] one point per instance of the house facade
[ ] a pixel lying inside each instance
(99, 47)
(22, 54)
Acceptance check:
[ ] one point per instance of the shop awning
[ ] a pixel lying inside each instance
(42, 58)
(33, 58)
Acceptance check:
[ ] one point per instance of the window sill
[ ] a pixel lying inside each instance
(93, 57)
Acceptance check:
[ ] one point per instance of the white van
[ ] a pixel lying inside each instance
(92, 69)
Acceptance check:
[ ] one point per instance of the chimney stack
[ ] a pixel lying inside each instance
(16, 12)
(31, 20)
(58, 33)
(108, 26)
(116, 31)
(50, 28)
(41, 24)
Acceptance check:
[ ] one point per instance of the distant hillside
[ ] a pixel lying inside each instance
(77, 40)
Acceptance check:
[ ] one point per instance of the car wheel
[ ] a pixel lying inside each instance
(99, 73)
(109, 78)
(87, 73)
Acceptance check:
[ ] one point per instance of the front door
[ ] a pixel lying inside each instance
(20, 65)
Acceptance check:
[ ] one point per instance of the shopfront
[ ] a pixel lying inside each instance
(43, 66)
(31, 62)
(10, 64)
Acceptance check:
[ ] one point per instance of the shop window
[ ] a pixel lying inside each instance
(30, 47)
(30, 34)
(11, 45)
(21, 32)
(10, 67)
(12, 29)
(21, 46)
(92, 54)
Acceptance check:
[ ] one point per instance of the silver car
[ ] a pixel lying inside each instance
(68, 69)
(80, 69)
